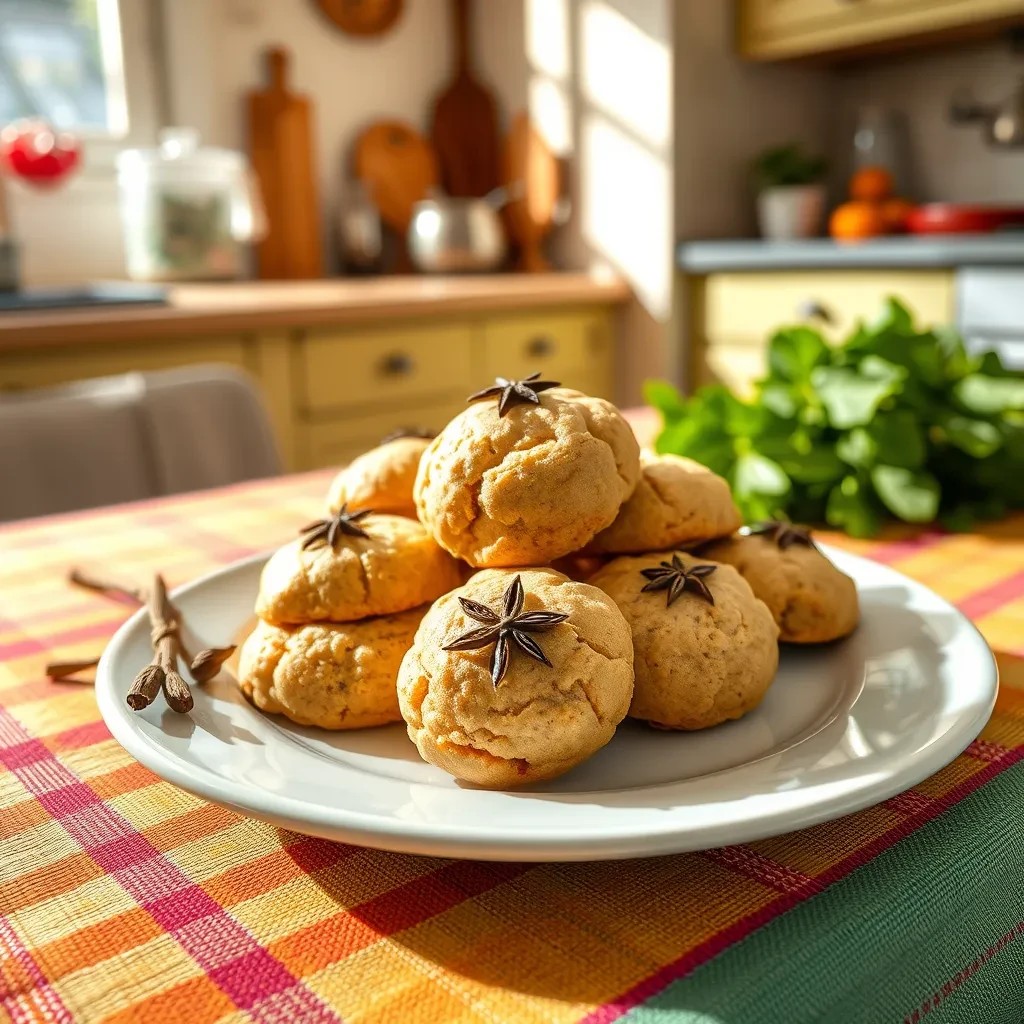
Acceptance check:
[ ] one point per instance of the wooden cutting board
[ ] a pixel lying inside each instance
(398, 167)
(531, 173)
(281, 150)
(465, 122)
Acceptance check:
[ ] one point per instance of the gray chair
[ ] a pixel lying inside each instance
(140, 435)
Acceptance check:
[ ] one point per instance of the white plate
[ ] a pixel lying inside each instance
(842, 727)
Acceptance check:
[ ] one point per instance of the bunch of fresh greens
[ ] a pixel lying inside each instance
(893, 421)
(788, 165)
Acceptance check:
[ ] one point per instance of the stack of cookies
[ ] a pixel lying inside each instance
(597, 581)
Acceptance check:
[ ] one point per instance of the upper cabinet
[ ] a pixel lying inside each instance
(782, 29)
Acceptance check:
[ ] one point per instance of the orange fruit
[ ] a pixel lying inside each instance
(871, 184)
(857, 220)
(895, 212)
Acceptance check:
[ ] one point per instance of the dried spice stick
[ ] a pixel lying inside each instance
(63, 669)
(107, 587)
(162, 671)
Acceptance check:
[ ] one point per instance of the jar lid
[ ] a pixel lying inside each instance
(180, 156)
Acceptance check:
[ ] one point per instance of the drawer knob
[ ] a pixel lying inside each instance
(397, 364)
(812, 309)
(540, 346)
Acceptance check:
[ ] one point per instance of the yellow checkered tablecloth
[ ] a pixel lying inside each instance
(124, 899)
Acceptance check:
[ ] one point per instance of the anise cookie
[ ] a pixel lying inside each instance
(678, 503)
(516, 677)
(382, 478)
(352, 566)
(523, 481)
(812, 601)
(332, 675)
(705, 648)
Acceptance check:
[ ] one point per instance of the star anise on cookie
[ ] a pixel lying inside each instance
(674, 577)
(330, 530)
(515, 392)
(784, 534)
(512, 626)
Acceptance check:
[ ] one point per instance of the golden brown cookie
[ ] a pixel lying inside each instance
(333, 675)
(697, 664)
(811, 600)
(541, 719)
(530, 486)
(678, 503)
(381, 479)
(396, 566)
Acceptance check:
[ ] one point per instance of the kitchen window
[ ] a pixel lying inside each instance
(83, 65)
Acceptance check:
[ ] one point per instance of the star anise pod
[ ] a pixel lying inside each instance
(674, 577)
(784, 534)
(515, 392)
(512, 626)
(331, 530)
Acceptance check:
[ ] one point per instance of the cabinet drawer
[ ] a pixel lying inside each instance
(575, 349)
(340, 369)
(744, 308)
(48, 366)
(335, 442)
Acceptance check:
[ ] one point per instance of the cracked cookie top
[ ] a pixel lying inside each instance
(335, 675)
(812, 601)
(543, 718)
(697, 662)
(678, 503)
(396, 566)
(381, 479)
(528, 487)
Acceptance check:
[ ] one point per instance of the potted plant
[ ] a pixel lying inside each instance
(791, 195)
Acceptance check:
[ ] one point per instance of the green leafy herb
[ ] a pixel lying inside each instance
(892, 421)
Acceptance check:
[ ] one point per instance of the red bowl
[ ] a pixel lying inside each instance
(961, 219)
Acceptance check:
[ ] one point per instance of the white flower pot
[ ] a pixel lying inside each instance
(790, 211)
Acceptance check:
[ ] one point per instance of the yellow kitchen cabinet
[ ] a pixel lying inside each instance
(574, 348)
(24, 369)
(733, 314)
(340, 364)
(781, 29)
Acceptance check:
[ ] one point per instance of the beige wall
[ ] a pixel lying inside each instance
(950, 162)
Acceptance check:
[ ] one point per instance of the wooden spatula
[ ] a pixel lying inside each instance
(281, 148)
(531, 173)
(465, 125)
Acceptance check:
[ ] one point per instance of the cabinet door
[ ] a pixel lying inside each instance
(735, 314)
(21, 370)
(777, 29)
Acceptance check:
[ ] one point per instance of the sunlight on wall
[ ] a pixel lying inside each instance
(626, 204)
(626, 73)
(551, 111)
(547, 37)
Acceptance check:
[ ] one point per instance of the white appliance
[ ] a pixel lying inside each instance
(990, 311)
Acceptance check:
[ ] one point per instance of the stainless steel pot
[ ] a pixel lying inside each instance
(451, 236)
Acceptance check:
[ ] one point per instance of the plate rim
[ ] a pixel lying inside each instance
(450, 840)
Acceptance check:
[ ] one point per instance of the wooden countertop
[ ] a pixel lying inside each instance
(250, 306)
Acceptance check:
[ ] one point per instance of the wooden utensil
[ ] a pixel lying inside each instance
(465, 123)
(530, 171)
(362, 17)
(398, 167)
(281, 148)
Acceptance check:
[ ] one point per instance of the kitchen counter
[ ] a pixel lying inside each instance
(248, 306)
(906, 252)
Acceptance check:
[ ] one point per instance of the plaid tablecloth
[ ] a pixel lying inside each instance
(125, 899)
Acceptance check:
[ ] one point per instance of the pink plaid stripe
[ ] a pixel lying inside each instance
(251, 978)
